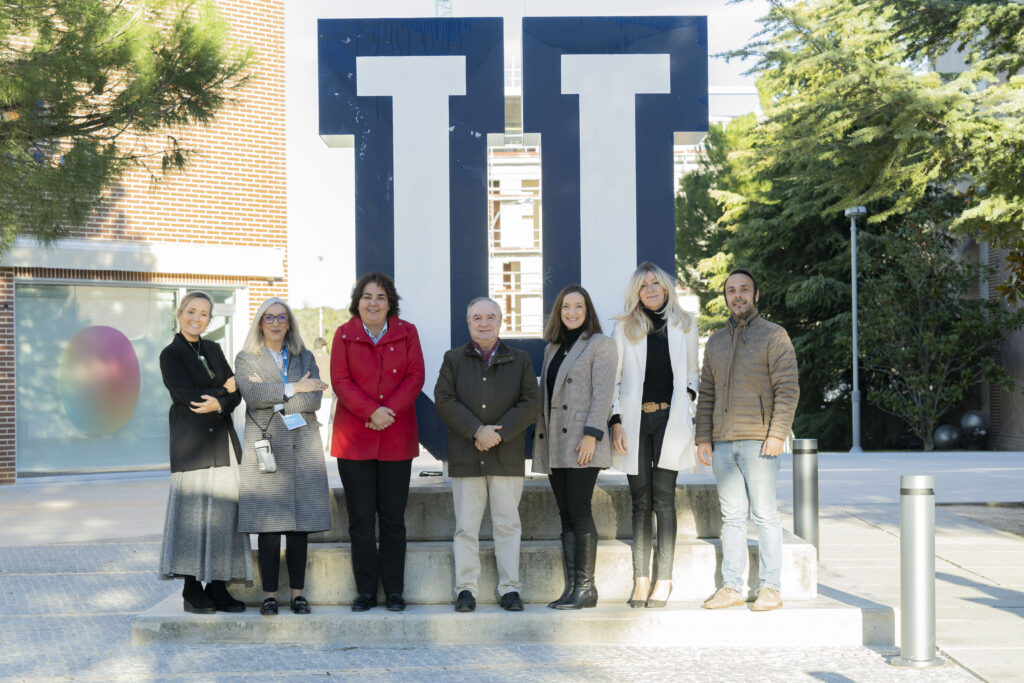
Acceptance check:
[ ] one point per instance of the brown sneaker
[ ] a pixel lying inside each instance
(767, 599)
(723, 597)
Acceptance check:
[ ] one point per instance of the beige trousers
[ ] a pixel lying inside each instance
(470, 495)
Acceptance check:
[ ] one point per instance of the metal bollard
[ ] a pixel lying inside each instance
(917, 572)
(805, 490)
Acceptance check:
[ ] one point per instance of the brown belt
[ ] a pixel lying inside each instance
(653, 407)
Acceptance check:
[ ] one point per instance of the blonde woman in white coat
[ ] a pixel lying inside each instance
(652, 426)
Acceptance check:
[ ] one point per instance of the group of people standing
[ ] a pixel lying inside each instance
(627, 401)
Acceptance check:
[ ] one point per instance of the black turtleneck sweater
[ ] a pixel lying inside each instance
(570, 337)
(658, 373)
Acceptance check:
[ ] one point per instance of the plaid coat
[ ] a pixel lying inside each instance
(296, 497)
(580, 404)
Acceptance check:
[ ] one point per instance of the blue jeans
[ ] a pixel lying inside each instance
(746, 481)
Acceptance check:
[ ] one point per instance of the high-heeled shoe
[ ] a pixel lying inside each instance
(584, 592)
(635, 601)
(660, 601)
(568, 567)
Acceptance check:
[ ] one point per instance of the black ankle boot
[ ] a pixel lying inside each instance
(584, 593)
(222, 600)
(195, 599)
(569, 566)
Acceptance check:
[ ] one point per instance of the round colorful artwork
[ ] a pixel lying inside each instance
(99, 380)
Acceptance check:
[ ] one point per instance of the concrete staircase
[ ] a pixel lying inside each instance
(429, 586)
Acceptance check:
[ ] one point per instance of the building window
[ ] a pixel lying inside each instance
(514, 237)
(89, 394)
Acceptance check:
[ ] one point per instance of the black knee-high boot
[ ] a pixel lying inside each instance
(569, 566)
(584, 593)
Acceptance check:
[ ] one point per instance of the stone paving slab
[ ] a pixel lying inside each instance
(139, 555)
(95, 509)
(978, 618)
(429, 572)
(59, 640)
(507, 663)
(818, 623)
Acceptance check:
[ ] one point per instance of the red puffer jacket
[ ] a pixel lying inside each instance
(365, 376)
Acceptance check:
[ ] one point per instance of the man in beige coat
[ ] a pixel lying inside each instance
(747, 400)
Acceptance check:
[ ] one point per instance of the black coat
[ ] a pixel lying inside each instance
(469, 394)
(198, 440)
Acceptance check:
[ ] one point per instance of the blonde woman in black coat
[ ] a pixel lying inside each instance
(201, 540)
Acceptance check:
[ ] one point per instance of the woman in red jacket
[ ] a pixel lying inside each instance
(376, 373)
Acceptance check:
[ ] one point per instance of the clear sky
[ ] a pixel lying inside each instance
(320, 206)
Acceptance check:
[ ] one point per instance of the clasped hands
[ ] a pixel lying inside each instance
(380, 419)
(487, 437)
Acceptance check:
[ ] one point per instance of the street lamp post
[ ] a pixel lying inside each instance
(853, 213)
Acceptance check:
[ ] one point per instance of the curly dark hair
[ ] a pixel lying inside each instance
(381, 280)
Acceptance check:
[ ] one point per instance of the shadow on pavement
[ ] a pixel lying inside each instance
(1002, 598)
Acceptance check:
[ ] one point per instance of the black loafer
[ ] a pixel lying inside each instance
(465, 602)
(363, 602)
(396, 603)
(300, 605)
(269, 606)
(512, 602)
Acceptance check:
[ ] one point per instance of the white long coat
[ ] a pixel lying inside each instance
(678, 451)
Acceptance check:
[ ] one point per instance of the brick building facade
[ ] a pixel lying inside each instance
(220, 225)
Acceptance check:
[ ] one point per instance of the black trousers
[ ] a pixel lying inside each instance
(653, 491)
(574, 489)
(269, 546)
(377, 490)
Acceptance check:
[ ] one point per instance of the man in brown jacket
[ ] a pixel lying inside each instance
(747, 400)
(487, 394)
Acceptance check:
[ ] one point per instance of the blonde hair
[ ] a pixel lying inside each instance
(184, 302)
(196, 294)
(635, 323)
(253, 344)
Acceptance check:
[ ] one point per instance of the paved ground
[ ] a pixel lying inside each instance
(77, 557)
(1002, 516)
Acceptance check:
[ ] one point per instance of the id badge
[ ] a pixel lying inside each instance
(293, 421)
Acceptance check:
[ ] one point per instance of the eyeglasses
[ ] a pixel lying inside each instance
(270, 319)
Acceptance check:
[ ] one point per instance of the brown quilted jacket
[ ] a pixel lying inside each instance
(748, 383)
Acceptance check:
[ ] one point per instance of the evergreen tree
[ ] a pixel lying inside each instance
(925, 341)
(849, 119)
(91, 88)
(721, 182)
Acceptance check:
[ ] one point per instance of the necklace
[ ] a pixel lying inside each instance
(201, 357)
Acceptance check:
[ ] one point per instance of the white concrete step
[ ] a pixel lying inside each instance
(818, 623)
(430, 515)
(429, 572)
